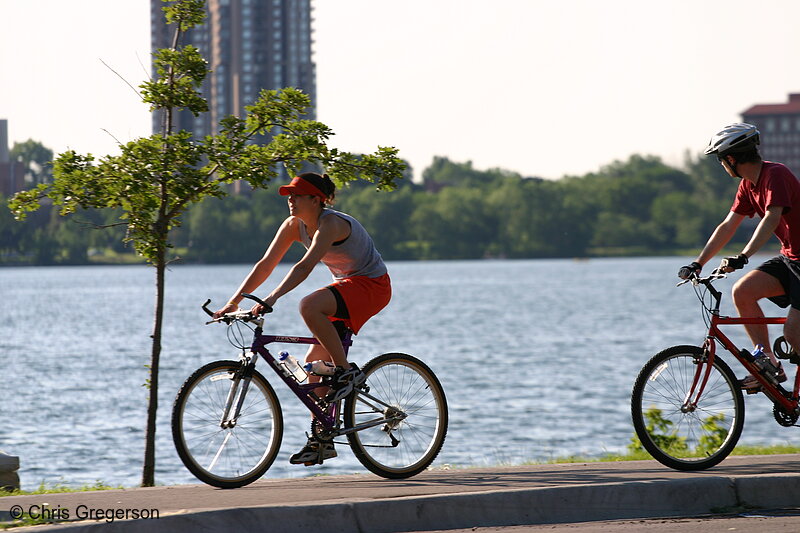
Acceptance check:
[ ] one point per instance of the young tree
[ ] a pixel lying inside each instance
(154, 179)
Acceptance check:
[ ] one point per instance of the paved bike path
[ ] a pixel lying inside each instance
(438, 499)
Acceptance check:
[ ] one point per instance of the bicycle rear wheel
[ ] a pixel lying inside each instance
(679, 435)
(403, 417)
(226, 455)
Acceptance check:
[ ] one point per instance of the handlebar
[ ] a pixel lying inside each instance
(707, 282)
(238, 315)
(697, 280)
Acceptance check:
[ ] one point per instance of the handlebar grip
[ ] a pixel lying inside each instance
(206, 309)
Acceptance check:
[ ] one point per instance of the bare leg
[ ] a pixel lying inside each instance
(317, 352)
(746, 293)
(315, 310)
(791, 330)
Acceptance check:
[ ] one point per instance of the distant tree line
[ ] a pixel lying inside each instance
(636, 207)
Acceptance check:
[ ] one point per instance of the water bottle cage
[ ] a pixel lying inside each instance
(286, 371)
(747, 356)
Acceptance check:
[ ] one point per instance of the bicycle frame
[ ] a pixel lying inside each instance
(775, 392)
(227, 420)
(303, 392)
(327, 417)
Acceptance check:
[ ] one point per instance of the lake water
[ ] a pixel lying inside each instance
(537, 358)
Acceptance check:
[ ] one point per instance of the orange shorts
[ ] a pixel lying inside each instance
(364, 298)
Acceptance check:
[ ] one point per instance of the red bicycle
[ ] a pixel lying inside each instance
(687, 403)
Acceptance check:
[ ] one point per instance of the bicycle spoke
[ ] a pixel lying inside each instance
(239, 451)
(411, 422)
(219, 452)
(687, 435)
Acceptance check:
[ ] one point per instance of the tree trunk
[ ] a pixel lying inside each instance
(148, 471)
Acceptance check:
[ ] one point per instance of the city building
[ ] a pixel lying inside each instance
(779, 125)
(12, 173)
(250, 45)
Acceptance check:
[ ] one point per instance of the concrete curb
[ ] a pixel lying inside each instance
(577, 503)
(769, 490)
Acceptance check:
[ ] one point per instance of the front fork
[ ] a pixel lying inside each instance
(704, 363)
(240, 382)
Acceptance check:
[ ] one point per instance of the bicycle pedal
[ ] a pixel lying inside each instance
(317, 461)
(750, 390)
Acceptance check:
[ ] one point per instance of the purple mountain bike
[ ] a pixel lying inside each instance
(227, 423)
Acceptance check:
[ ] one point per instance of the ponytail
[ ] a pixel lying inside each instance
(329, 188)
(323, 183)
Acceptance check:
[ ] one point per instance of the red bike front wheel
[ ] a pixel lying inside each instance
(678, 429)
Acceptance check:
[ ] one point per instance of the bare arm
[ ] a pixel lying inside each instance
(287, 234)
(720, 237)
(765, 230)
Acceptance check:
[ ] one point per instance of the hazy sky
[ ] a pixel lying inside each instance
(543, 88)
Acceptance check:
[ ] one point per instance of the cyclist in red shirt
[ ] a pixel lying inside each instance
(771, 191)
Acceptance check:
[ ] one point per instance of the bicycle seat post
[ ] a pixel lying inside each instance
(347, 341)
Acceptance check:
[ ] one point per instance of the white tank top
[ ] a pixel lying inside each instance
(354, 256)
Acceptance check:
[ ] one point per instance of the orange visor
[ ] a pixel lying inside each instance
(300, 186)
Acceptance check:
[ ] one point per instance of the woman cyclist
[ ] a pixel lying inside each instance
(361, 286)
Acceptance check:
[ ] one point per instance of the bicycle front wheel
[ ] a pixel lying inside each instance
(677, 429)
(402, 419)
(226, 453)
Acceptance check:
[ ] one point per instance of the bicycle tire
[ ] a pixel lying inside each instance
(226, 457)
(408, 385)
(686, 439)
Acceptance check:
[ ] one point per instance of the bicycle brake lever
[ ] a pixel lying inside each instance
(693, 277)
(226, 319)
(718, 273)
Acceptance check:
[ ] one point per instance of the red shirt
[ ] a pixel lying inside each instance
(776, 186)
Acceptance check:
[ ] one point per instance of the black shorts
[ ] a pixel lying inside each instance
(341, 313)
(788, 273)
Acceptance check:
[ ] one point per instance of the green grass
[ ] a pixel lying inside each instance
(644, 456)
(58, 488)
(766, 450)
(44, 489)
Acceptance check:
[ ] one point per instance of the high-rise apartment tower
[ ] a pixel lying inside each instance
(250, 45)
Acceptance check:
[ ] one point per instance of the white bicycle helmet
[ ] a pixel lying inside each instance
(734, 138)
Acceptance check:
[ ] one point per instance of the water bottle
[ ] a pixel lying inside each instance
(763, 363)
(292, 367)
(320, 368)
(758, 351)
